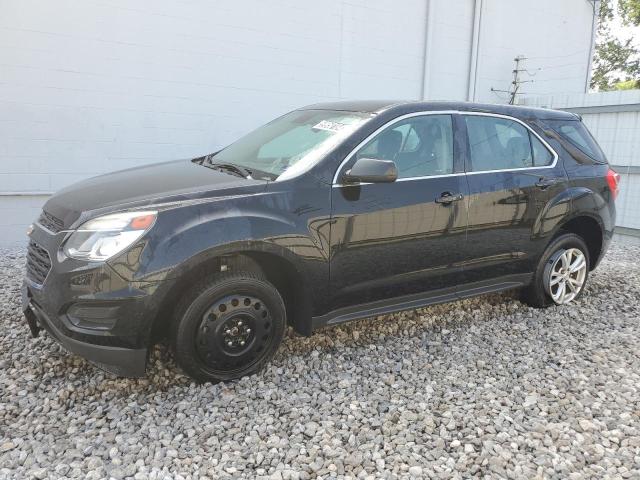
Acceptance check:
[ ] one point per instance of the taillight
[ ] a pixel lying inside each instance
(613, 179)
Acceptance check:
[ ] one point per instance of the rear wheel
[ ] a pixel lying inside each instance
(561, 274)
(229, 326)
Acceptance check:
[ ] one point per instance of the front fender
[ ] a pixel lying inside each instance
(184, 237)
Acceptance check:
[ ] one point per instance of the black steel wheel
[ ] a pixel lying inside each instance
(233, 332)
(229, 327)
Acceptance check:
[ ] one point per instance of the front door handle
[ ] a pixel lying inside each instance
(447, 197)
(546, 182)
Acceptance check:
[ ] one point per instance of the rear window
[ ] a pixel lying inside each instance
(575, 132)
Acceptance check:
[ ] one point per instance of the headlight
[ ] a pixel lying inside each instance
(104, 237)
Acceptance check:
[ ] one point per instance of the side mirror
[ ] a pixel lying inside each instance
(371, 170)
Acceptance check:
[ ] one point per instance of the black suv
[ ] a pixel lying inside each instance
(329, 213)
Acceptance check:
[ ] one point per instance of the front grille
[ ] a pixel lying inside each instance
(38, 263)
(51, 223)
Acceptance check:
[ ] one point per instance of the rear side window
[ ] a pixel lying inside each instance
(501, 144)
(575, 132)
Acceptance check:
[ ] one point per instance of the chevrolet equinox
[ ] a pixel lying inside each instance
(330, 213)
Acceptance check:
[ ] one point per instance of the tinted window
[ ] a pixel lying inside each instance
(420, 146)
(500, 144)
(575, 132)
(541, 154)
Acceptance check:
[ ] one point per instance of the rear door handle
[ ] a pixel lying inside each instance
(546, 182)
(447, 198)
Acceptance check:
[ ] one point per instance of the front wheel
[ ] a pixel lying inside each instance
(229, 326)
(561, 274)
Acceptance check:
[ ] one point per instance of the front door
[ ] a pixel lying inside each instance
(405, 237)
(511, 175)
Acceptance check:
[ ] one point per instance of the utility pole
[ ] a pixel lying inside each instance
(516, 83)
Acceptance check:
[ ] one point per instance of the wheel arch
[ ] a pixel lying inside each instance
(590, 229)
(577, 210)
(276, 268)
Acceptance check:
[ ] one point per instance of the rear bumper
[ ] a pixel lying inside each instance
(123, 362)
(606, 242)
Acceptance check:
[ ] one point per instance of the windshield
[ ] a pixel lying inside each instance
(291, 144)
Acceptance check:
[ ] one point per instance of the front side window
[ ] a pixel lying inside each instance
(289, 145)
(420, 146)
(501, 144)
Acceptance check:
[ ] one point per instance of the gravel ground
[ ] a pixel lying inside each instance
(484, 387)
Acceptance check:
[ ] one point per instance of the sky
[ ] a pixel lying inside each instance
(624, 32)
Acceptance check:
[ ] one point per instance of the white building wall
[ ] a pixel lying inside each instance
(449, 51)
(91, 87)
(555, 37)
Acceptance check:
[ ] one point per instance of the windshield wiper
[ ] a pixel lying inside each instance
(235, 169)
(230, 167)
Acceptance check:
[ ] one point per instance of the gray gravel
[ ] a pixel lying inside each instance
(484, 387)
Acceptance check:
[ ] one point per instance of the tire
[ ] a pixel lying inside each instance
(550, 275)
(229, 326)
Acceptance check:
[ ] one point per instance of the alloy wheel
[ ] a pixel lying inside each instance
(565, 275)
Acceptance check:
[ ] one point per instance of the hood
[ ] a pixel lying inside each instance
(146, 186)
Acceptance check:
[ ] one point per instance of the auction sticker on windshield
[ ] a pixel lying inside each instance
(328, 126)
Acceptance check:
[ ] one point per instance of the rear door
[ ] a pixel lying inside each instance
(512, 174)
(400, 238)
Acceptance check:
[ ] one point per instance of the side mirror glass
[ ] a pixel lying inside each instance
(371, 170)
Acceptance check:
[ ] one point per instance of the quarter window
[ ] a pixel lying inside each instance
(419, 146)
(576, 133)
(502, 144)
(541, 154)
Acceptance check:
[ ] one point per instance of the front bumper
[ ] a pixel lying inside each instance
(123, 362)
(92, 310)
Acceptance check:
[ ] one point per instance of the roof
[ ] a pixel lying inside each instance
(408, 106)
